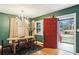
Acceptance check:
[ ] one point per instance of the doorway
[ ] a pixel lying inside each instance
(66, 33)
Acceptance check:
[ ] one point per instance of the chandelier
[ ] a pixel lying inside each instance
(21, 16)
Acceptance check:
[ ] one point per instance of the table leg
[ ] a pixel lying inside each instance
(14, 48)
(31, 43)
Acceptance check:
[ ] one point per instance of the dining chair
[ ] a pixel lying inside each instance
(0, 49)
(5, 47)
(21, 44)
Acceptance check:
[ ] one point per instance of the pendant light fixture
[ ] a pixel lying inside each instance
(21, 17)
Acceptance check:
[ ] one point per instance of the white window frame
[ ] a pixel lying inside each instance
(41, 23)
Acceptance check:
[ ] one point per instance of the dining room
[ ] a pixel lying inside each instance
(32, 29)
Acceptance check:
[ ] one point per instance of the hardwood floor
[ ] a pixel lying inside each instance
(38, 50)
(50, 51)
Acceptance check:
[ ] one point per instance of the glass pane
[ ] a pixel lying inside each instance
(67, 30)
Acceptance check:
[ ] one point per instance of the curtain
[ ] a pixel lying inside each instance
(13, 27)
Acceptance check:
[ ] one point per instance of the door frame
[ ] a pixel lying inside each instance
(73, 15)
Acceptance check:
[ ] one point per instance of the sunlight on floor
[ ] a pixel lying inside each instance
(66, 47)
(51, 51)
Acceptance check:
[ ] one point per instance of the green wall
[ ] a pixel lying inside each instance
(4, 27)
(73, 9)
(39, 38)
(77, 33)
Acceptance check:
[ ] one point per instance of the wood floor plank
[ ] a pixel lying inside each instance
(51, 51)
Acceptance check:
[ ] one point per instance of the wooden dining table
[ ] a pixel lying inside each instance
(16, 39)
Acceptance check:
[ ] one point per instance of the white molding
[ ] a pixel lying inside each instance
(75, 33)
(66, 16)
(77, 54)
(77, 30)
(73, 15)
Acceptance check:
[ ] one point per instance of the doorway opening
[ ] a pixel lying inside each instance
(66, 34)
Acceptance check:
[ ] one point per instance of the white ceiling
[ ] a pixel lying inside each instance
(32, 10)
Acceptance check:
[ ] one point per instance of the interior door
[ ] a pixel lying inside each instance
(50, 33)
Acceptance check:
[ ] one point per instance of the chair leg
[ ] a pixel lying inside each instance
(32, 44)
(2, 48)
(2, 51)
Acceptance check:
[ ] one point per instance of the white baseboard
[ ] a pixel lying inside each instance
(76, 53)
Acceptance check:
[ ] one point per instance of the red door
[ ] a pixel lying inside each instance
(50, 32)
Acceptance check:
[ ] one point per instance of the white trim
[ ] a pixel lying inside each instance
(77, 30)
(76, 53)
(66, 16)
(73, 15)
(75, 33)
